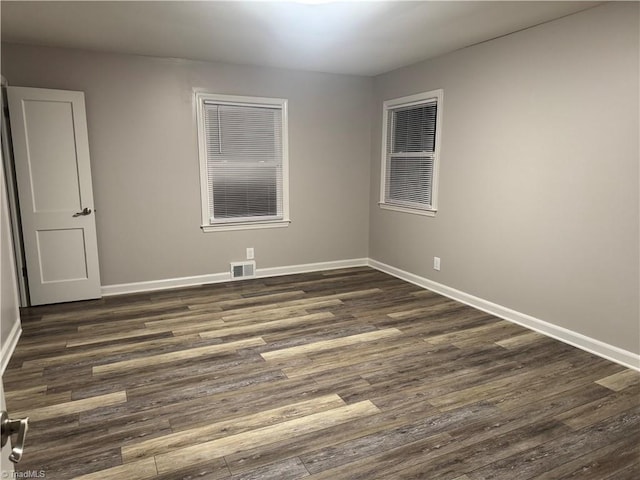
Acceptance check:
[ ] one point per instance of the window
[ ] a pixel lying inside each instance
(243, 162)
(410, 151)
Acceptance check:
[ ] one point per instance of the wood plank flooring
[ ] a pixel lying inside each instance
(346, 374)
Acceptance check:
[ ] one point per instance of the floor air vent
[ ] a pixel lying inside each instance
(243, 270)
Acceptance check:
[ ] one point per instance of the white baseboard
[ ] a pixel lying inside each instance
(311, 267)
(9, 344)
(153, 285)
(591, 345)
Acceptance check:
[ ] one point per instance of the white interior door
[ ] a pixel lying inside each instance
(53, 174)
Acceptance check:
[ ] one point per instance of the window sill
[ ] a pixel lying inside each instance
(414, 211)
(226, 227)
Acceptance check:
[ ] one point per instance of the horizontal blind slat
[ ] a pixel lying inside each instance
(244, 161)
(414, 129)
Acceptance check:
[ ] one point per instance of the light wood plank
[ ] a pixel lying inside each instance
(261, 327)
(440, 306)
(189, 354)
(27, 393)
(520, 340)
(269, 298)
(184, 320)
(102, 310)
(203, 452)
(620, 381)
(98, 353)
(361, 357)
(143, 332)
(329, 344)
(141, 470)
(72, 407)
(159, 319)
(232, 426)
(464, 334)
(249, 315)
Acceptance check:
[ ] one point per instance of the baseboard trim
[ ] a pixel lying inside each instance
(311, 267)
(153, 285)
(9, 344)
(591, 345)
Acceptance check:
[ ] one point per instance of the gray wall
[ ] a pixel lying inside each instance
(144, 161)
(538, 204)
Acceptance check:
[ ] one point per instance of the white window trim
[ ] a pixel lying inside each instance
(206, 226)
(406, 102)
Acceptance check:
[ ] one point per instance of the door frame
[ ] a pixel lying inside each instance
(12, 193)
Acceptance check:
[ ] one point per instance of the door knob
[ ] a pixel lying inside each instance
(86, 211)
(9, 427)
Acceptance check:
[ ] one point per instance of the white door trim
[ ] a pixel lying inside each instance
(12, 195)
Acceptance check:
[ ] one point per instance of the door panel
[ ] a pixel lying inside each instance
(73, 265)
(49, 124)
(53, 174)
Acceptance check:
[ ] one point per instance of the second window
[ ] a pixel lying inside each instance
(410, 150)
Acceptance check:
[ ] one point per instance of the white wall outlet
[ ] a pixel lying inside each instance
(250, 253)
(436, 263)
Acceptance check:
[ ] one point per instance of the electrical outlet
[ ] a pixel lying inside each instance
(436, 263)
(250, 253)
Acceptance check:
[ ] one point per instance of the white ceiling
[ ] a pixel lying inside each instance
(358, 37)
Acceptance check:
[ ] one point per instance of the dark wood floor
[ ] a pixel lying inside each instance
(347, 374)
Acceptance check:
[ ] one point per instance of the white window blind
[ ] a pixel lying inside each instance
(410, 153)
(244, 160)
